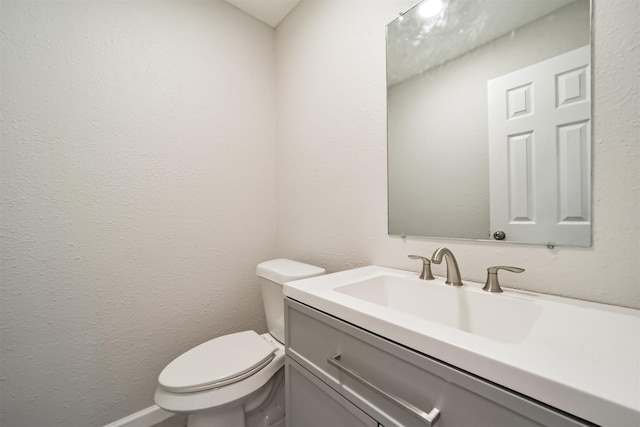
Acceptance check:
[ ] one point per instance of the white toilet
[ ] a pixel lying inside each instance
(237, 380)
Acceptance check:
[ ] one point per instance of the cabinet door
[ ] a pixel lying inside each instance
(311, 403)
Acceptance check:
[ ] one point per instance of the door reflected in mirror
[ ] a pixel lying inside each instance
(489, 131)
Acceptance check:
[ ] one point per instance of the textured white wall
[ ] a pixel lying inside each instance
(332, 201)
(138, 195)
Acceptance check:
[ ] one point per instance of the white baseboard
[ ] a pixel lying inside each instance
(149, 417)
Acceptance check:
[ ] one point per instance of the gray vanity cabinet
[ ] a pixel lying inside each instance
(339, 375)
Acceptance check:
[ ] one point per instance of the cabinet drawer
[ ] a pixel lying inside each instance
(311, 403)
(406, 378)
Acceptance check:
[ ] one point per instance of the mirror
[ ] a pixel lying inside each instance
(489, 130)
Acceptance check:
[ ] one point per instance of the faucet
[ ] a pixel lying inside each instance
(426, 267)
(453, 273)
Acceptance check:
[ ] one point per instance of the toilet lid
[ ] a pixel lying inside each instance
(220, 361)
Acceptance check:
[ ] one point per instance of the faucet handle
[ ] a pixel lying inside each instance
(426, 267)
(492, 284)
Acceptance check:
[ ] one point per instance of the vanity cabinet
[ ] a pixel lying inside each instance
(341, 375)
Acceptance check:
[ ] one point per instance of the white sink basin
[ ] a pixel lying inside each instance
(496, 316)
(577, 356)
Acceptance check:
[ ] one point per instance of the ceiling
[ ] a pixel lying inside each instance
(271, 12)
(415, 43)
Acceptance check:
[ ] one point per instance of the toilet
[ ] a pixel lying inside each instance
(237, 380)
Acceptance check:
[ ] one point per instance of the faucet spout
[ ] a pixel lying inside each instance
(453, 272)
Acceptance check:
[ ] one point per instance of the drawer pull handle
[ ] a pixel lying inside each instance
(429, 417)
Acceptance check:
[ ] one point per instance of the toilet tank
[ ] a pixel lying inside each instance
(273, 275)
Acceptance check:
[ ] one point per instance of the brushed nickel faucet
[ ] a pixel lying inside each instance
(453, 273)
(426, 267)
(492, 284)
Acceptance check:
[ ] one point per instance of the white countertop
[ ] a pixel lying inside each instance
(580, 357)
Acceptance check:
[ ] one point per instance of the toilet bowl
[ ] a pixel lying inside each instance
(236, 380)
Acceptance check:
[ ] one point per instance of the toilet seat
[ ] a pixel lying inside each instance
(189, 403)
(218, 362)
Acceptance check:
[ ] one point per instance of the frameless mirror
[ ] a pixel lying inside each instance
(489, 118)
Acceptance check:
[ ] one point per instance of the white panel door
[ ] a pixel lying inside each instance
(540, 151)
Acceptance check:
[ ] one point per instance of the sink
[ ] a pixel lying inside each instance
(498, 317)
